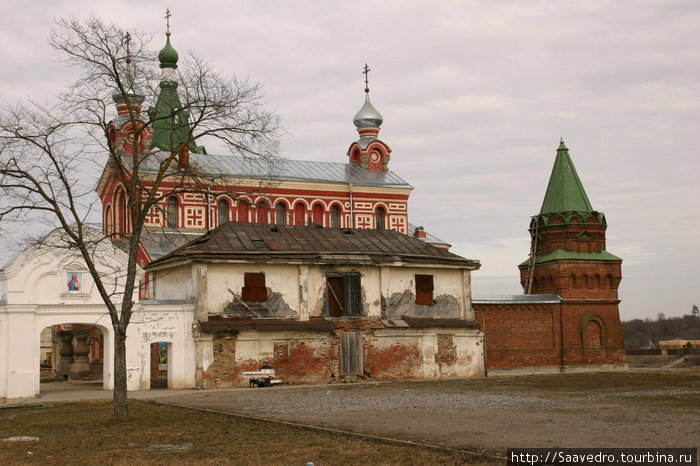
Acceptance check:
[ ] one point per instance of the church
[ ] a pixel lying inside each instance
(315, 268)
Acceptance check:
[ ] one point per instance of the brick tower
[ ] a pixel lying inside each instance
(568, 258)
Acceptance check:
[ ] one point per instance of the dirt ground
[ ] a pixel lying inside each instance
(623, 409)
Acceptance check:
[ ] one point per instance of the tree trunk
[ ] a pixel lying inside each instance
(121, 404)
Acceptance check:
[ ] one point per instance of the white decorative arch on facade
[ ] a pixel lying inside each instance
(35, 293)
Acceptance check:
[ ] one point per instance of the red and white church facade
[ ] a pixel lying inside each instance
(360, 193)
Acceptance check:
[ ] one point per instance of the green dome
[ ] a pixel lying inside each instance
(168, 56)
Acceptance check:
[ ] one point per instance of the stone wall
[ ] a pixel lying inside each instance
(553, 335)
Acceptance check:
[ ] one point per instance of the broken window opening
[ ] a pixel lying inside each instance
(254, 287)
(424, 289)
(344, 295)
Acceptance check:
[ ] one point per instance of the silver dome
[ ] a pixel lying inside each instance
(368, 116)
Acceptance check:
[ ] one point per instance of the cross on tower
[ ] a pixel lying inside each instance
(127, 40)
(167, 20)
(366, 72)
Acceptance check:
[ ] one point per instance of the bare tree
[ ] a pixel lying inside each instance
(50, 156)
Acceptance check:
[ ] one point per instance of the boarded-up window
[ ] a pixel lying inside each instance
(424, 289)
(351, 353)
(254, 287)
(344, 295)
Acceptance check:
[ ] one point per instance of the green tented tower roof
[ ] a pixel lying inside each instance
(565, 192)
(171, 128)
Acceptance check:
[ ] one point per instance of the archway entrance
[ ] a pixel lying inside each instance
(71, 352)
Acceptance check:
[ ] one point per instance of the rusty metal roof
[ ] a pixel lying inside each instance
(258, 242)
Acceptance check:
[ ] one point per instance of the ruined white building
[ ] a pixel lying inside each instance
(323, 304)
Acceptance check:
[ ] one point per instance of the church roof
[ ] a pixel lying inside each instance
(565, 192)
(280, 169)
(258, 242)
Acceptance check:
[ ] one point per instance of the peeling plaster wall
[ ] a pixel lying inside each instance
(223, 281)
(296, 290)
(313, 357)
(301, 357)
(451, 293)
(173, 284)
(306, 356)
(161, 323)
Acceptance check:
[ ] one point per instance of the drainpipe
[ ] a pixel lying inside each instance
(208, 212)
(352, 215)
(483, 330)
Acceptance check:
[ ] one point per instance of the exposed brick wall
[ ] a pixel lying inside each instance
(535, 335)
(315, 357)
(400, 360)
(223, 370)
(575, 279)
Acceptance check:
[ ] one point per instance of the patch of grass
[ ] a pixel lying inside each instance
(86, 433)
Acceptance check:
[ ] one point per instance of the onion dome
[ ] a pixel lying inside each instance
(368, 116)
(168, 56)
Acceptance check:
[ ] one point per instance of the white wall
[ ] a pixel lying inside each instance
(37, 296)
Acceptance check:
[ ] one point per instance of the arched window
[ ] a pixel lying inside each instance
(261, 212)
(243, 210)
(171, 213)
(380, 218)
(120, 211)
(317, 214)
(299, 212)
(108, 221)
(335, 217)
(222, 211)
(280, 213)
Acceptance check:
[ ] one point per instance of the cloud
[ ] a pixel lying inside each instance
(475, 96)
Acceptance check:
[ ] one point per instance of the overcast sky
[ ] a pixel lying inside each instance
(475, 96)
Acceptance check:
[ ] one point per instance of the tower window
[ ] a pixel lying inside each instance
(381, 214)
(171, 213)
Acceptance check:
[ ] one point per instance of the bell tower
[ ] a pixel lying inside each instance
(368, 151)
(568, 255)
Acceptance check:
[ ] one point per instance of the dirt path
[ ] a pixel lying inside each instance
(627, 409)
